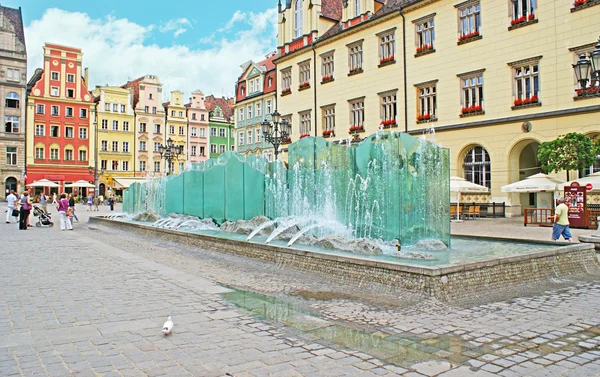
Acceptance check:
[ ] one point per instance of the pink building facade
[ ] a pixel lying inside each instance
(197, 116)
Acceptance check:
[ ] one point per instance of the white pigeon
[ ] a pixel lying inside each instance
(168, 326)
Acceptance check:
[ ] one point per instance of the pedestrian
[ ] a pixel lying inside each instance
(111, 202)
(23, 200)
(54, 198)
(25, 210)
(12, 206)
(72, 207)
(44, 202)
(89, 202)
(96, 202)
(561, 221)
(62, 207)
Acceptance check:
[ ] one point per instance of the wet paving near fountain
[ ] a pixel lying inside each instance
(550, 328)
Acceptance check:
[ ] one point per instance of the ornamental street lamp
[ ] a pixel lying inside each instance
(277, 132)
(170, 152)
(588, 68)
(595, 59)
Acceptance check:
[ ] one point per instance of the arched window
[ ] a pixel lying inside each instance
(298, 19)
(356, 8)
(12, 100)
(477, 167)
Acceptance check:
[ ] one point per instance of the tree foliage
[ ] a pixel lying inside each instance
(573, 151)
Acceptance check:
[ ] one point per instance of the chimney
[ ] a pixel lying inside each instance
(85, 77)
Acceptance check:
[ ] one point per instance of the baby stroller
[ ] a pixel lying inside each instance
(43, 217)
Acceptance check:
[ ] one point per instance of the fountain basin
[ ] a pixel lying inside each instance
(442, 281)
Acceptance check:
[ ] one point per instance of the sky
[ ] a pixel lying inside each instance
(188, 46)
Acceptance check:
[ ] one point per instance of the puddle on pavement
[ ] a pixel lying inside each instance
(399, 349)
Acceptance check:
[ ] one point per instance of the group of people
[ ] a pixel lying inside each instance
(24, 206)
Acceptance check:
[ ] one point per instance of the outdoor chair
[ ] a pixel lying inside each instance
(471, 213)
(452, 212)
(476, 212)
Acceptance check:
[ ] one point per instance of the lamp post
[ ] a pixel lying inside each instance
(276, 131)
(588, 68)
(170, 152)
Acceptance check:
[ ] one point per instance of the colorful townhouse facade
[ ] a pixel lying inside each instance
(114, 125)
(255, 101)
(491, 80)
(176, 129)
(13, 85)
(59, 107)
(221, 125)
(197, 118)
(149, 124)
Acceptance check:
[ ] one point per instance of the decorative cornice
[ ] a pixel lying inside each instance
(583, 48)
(525, 61)
(389, 91)
(356, 99)
(465, 4)
(426, 83)
(325, 54)
(386, 32)
(355, 43)
(471, 73)
(417, 5)
(424, 18)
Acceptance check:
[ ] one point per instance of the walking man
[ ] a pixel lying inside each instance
(44, 202)
(561, 221)
(11, 199)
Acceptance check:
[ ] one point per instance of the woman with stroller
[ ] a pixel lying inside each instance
(25, 210)
(63, 207)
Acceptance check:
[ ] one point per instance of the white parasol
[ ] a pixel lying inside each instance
(461, 185)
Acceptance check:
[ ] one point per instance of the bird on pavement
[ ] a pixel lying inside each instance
(168, 326)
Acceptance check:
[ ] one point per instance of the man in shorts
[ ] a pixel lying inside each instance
(561, 221)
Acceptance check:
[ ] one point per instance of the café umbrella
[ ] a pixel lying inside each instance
(460, 185)
(539, 182)
(43, 183)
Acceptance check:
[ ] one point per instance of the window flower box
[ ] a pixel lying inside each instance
(425, 118)
(304, 135)
(286, 141)
(389, 123)
(469, 37)
(328, 133)
(582, 4)
(285, 92)
(326, 79)
(588, 93)
(304, 86)
(387, 61)
(522, 21)
(471, 110)
(424, 50)
(357, 129)
(355, 71)
(532, 101)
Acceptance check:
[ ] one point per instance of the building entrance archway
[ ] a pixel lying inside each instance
(523, 163)
(10, 184)
(101, 189)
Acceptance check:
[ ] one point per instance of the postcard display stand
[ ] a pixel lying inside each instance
(575, 199)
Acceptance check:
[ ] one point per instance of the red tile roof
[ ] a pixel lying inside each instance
(226, 104)
(135, 84)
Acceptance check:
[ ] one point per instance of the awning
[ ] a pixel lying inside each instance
(123, 183)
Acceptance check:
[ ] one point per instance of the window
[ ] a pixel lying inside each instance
(472, 93)
(125, 147)
(522, 10)
(11, 155)
(54, 110)
(13, 75)
(54, 153)
(68, 155)
(388, 109)
(249, 134)
(149, 95)
(305, 123)
(54, 75)
(297, 19)
(146, 109)
(107, 106)
(387, 46)
(193, 152)
(202, 151)
(286, 79)
(222, 132)
(104, 145)
(304, 77)
(115, 165)
(70, 77)
(11, 124)
(355, 57)
(153, 110)
(427, 101)
(125, 165)
(241, 113)
(172, 113)
(257, 132)
(213, 148)
(327, 66)
(357, 113)
(249, 112)
(156, 147)
(242, 90)
(357, 8)
(115, 125)
(126, 126)
(82, 155)
(222, 148)
(12, 100)
(40, 130)
(142, 165)
(201, 116)
(213, 131)
(181, 130)
(470, 21)
(69, 112)
(142, 146)
(328, 120)
(83, 113)
(592, 80)
(142, 127)
(194, 131)
(115, 107)
(477, 167)
(104, 123)
(258, 110)
(241, 138)
(122, 108)
(70, 93)
(157, 128)
(83, 133)
(39, 153)
(425, 35)
(156, 166)
(269, 107)
(54, 131)
(270, 81)
(69, 133)
(527, 82)
(171, 130)
(40, 109)
(181, 114)
(202, 131)
(252, 89)
(193, 116)
(103, 164)
(115, 146)
(54, 91)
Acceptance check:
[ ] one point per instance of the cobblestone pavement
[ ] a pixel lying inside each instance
(91, 303)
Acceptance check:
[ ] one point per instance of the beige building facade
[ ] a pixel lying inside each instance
(176, 128)
(488, 80)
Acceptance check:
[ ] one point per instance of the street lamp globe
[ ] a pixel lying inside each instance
(582, 70)
(266, 127)
(276, 117)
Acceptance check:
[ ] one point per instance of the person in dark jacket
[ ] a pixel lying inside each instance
(72, 206)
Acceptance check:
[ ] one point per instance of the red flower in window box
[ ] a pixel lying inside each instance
(518, 102)
(579, 3)
(305, 84)
(531, 17)
(534, 99)
(518, 20)
(356, 128)
(423, 117)
(328, 132)
(388, 59)
(286, 91)
(424, 48)
(464, 37)
(471, 109)
(387, 123)
(304, 135)
(327, 78)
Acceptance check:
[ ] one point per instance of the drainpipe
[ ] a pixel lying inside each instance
(404, 67)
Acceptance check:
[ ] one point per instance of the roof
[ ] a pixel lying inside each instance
(226, 105)
(332, 9)
(16, 20)
(268, 62)
(135, 84)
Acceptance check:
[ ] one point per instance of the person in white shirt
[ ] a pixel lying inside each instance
(12, 203)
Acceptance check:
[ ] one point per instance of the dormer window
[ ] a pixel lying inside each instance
(298, 19)
(242, 90)
(270, 82)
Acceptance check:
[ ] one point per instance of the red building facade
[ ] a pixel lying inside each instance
(60, 115)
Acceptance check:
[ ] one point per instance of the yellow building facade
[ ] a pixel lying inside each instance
(176, 128)
(488, 80)
(115, 136)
